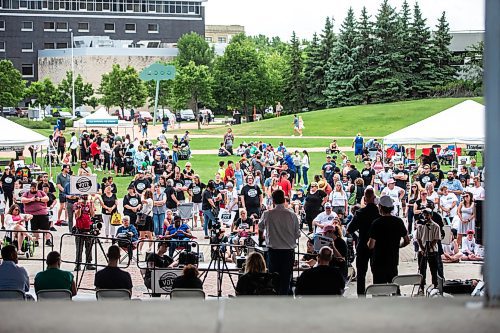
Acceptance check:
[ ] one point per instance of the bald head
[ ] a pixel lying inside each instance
(369, 195)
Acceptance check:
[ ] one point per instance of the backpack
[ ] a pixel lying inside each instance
(352, 197)
(263, 285)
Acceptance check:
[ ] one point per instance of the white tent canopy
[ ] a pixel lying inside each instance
(101, 118)
(15, 135)
(462, 123)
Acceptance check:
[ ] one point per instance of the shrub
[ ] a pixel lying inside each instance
(31, 123)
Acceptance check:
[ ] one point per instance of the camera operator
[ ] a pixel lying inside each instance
(208, 205)
(180, 232)
(428, 235)
(241, 228)
(84, 212)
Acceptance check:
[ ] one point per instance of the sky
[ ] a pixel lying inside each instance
(281, 17)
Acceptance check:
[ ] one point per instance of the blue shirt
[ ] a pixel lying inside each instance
(358, 141)
(132, 229)
(289, 162)
(454, 185)
(13, 277)
(172, 230)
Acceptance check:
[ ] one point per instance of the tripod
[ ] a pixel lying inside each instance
(95, 243)
(218, 260)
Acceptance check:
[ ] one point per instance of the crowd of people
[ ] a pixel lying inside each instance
(372, 211)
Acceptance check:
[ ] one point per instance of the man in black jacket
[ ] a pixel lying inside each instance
(362, 222)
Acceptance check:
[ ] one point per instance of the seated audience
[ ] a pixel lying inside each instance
(256, 280)
(451, 253)
(12, 276)
(322, 279)
(179, 232)
(53, 277)
(125, 233)
(188, 279)
(112, 277)
(156, 260)
(310, 257)
(470, 248)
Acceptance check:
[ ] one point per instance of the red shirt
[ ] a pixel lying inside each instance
(35, 207)
(95, 149)
(229, 174)
(84, 221)
(286, 186)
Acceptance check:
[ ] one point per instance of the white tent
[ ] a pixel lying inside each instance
(15, 135)
(101, 118)
(462, 123)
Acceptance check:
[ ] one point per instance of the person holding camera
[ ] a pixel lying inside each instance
(208, 205)
(179, 232)
(35, 204)
(84, 212)
(428, 235)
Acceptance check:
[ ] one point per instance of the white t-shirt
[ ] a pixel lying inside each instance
(477, 192)
(73, 144)
(433, 198)
(337, 198)
(232, 198)
(469, 246)
(394, 193)
(305, 161)
(447, 202)
(325, 220)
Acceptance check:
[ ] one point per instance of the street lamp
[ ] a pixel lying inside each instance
(72, 74)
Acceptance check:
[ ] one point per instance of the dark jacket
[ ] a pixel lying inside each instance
(362, 222)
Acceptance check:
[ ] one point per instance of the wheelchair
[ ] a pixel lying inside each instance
(27, 246)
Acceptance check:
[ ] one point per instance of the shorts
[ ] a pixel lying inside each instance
(197, 208)
(62, 198)
(118, 162)
(148, 226)
(358, 151)
(40, 222)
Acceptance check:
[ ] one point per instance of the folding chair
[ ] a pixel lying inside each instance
(408, 280)
(12, 295)
(187, 293)
(388, 289)
(54, 295)
(185, 211)
(113, 294)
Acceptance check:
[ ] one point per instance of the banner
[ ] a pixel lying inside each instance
(111, 121)
(163, 279)
(79, 185)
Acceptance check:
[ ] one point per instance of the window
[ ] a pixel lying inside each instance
(83, 27)
(2, 46)
(62, 45)
(28, 70)
(106, 6)
(27, 47)
(48, 46)
(62, 26)
(2, 25)
(27, 26)
(109, 27)
(83, 5)
(23, 4)
(153, 28)
(208, 39)
(222, 40)
(49, 26)
(130, 27)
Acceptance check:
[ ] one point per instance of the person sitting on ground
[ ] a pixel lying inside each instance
(12, 276)
(256, 280)
(322, 279)
(53, 277)
(470, 248)
(112, 277)
(188, 279)
(223, 151)
(451, 253)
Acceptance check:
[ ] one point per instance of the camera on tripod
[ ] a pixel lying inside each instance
(96, 226)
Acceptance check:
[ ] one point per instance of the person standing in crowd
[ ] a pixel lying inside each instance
(159, 209)
(131, 204)
(229, 172)
(465, 216)
(295, 125)
(12, 276)
(112, 277)
(396, 194)
(338, 199)
(35, 204)
(145, 219)
(251, 197)
(285, 184)
(144, 127)
(73, 147)
(279, 109)
(438, 173)
(229, 140)
(453, 185)
(281, 229)
(358, 144)
(448, 203)
(51, 204)
(53, 277)
(118, 155)
(208, 204)
(61, 145)
(84, 169)
(427, 177)
(141, 183)
(95, 152)
(385, 240)
(106, 151)
(8, 179)
(328, 170)
(368, 174)
(84, 211)
(322, 279)
(315, 199)
(109, 207)
(428, 235)
(195, 191)
(70, 200)
(305, 166)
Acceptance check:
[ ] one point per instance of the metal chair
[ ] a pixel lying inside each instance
(54, 295)
(408, 280)
(187, 293)
(12, 295)
(388, 289)
(113, 294)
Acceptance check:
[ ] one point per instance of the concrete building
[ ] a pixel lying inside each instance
(29, 26)
(222, 34)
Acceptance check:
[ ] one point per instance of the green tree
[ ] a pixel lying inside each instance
(388, 60)
(193, 47)
(12, 85)
(441, 54)
(276, 67)
(406, 45)
(240, 75)
(294, 77)
(193, 83)
(43, 92)
(82, 91)
(123, 88)
(93, 102)
(327, 45)
(314, 75)
(366, 44)
(343, 75)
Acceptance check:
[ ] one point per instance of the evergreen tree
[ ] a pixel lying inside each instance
(366, 45)
(294, 78)
(313, 74)
(327, 44)
(343, 75)
(441, 53)
(406, 45)
(388, 84)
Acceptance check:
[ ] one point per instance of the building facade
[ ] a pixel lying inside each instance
(29, 26)
(222, 34)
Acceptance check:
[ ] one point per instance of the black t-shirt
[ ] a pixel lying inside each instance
(341, 246)
(191, 283)
(257, 284)
(328, 169)
(178, 183)
(401, 183)
(439, 175)
(52, 188)
(112, 278)
(367, 175)
(387, 231)
(52, 198)
(118, 152)
(320, 280)
(197, 189)
(187, 181)
(158, 167)
(425, 178)
(314, 201)
(362, 222)
(353, 174)
(141, 184)
(463, 177)
(248, 222)
(8, 182)
(133, 201)
(109, 202)
(169, 190)
(205, 205)
(251, 196)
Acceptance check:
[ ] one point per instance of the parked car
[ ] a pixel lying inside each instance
(144, 115)
(186, 115)
(166, 112)
(62, 114)
(15, 112)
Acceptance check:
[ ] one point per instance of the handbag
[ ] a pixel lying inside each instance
(352, 197)
(116, 219)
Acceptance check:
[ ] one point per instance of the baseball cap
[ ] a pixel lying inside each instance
(328, 205)
(386, 201)
(470, 232)
(328, 156)
(7, 167)
(229, 184)
(274, 172)
(391, 181)
(328, 228)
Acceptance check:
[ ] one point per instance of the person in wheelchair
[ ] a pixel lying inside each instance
(298, 200)
(125, 233)
(179, 233)
(15, 221)
(241, 229)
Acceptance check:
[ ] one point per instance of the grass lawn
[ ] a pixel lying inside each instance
(213, 143)
(374, 120)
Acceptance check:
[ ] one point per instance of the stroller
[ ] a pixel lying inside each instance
(28, 246)
(128, 163)
(52, 159)
(184, 152)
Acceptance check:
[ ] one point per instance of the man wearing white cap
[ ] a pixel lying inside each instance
(396, 193)
(324, 218)
(385, 240)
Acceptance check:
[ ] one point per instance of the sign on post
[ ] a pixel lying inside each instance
(79, 185)
(163, 279)
(157, 72)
